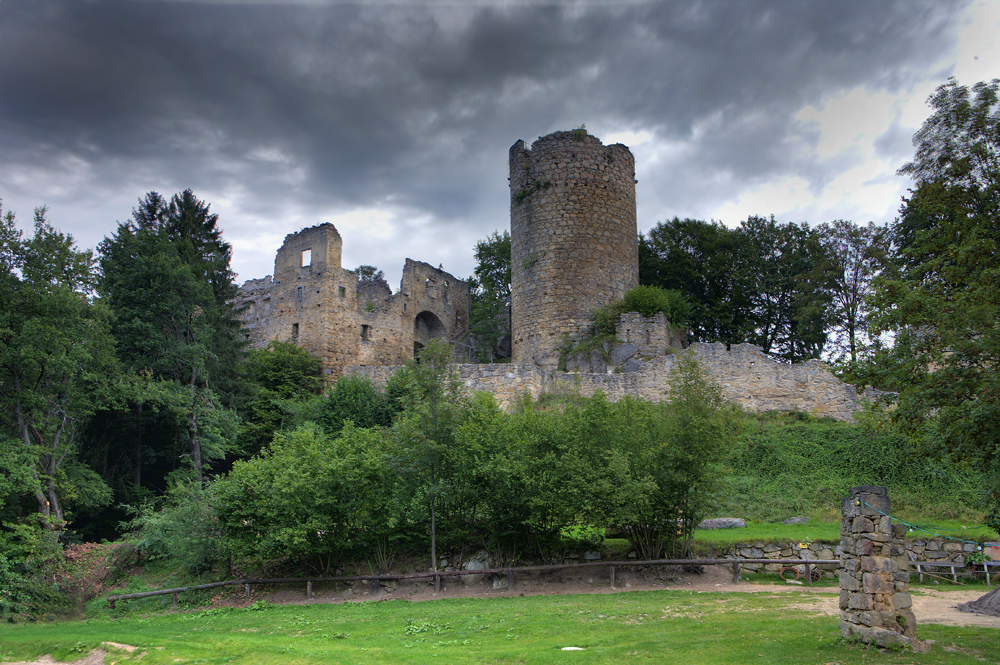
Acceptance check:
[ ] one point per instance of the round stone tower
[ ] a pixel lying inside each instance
(574, 240)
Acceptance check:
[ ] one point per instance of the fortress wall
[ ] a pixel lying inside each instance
(574, 240)
(747, 376)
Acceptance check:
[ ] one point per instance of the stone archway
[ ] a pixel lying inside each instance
(426, 326)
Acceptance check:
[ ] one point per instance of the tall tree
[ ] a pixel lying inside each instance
(166, 276)
(435, 407)
(702, 260)
(56, 354)
(790, 297)
(489, 320)
(940, 296)
(855, 255)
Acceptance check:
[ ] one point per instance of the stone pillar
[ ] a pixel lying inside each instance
(875, 605)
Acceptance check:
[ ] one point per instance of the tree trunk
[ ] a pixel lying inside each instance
(434, 560)
(137, 460)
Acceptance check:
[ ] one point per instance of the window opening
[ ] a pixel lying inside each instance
(341, 291)
(364, 331)
(307, 255)
(298, 293)
(295, 330)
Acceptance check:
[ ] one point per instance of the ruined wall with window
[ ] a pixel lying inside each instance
(313, 301)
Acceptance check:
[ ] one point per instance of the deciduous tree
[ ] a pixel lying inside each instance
(56, 354)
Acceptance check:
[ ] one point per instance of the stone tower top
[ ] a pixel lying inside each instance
(316, 249)
(574, 239)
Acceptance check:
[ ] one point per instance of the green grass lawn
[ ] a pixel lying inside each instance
(637, 627)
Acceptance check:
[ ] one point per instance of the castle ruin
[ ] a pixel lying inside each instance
(346, 321)
(574, 248)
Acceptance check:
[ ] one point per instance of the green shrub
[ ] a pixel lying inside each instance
(646, 300)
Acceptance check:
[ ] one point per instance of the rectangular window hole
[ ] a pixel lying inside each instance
(307, 257)
(365, 328)
(298, 293)
(295, 330)
(341, 291)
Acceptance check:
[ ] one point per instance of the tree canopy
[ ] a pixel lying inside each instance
(939, 296)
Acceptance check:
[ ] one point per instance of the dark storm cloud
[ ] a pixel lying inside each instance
(338, 104)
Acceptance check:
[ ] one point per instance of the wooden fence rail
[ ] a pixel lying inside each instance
(510, 572)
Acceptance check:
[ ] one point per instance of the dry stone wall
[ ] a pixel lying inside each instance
(313, 301)
(574, 239)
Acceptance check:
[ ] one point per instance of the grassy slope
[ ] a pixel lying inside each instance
(638, 627)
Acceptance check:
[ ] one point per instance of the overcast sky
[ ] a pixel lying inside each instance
(392, 120)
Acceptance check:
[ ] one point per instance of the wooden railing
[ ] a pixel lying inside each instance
(510, 572)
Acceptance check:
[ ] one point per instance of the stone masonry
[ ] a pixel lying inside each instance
(875, 605)
(574, 239)
(747, 376)
(574, 247)
(314, 302)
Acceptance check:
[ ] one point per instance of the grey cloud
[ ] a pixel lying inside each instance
(329, 104)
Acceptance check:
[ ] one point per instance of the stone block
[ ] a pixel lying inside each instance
(888, 638)
(845, 598)
(723, 523)
(862, 524)
(622, 352)
(877, 618)
(899, 531)
(849, 582)
(864, 548)
(952, 547)
(860, 601)
(875, 564)
(901, 600)
(877, 583)
(884, 525)
(935, 555)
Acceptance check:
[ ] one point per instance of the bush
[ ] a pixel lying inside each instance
(185, 529)
(646, 300)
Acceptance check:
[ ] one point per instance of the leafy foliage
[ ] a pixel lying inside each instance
(357, 400)
(309, 496)
(166, 277)
(279, 378)
(184, 529)
(646, 300)
(56, 355)
(489, 288)
(940, 297)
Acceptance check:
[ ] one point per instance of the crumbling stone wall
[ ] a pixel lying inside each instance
(747, 376)
(574, 239)
(875, 604)
(313, 301)
(651, 335)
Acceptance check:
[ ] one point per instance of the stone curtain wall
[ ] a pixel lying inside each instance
(574, 239)
(874, 579)
(747, 376)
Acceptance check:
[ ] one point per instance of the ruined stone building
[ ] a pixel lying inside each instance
(574, 248)
(313, 301)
